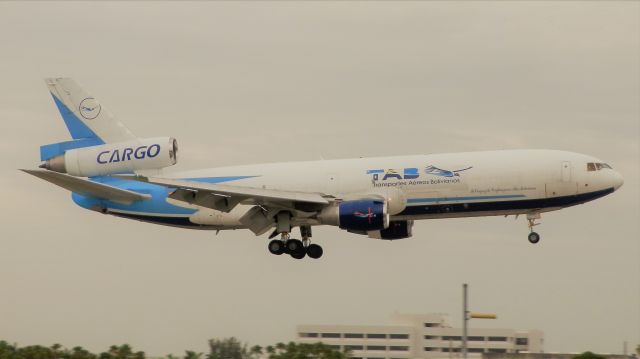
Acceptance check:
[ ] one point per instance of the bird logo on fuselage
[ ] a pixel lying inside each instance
(433, 170)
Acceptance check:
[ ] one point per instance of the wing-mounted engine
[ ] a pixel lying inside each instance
(396, 230)
(394, 197)
(357, 215)
(113, 158)
(364, 213)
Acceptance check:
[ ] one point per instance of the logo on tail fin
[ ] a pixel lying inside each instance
(89, 108)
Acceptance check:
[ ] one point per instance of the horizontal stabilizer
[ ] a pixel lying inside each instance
(89, 188)
(48, 152)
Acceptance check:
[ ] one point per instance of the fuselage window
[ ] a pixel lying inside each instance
(591, 166)
(600, 166)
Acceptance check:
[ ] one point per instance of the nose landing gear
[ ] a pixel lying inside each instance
(533, 237)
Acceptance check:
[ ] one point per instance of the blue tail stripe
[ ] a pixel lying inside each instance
(55, 149)
(77, 128)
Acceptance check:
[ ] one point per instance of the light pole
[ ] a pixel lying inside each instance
(465, 320)
(466, 316)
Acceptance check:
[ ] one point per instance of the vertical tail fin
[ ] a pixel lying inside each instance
(84, 116)
(88, 122)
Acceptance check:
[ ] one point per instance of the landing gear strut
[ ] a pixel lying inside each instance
(533, 237)
(312, 250)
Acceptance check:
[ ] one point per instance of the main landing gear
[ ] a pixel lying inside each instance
(533, 237)
(296, 248)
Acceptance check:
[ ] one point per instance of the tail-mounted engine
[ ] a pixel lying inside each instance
(357, 215)
(112, 158)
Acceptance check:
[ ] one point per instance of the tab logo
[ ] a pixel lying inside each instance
(89, 108)
(405, 174)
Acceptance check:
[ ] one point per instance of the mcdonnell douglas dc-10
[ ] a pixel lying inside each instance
(110, 170)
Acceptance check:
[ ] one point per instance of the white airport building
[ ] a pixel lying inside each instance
(419, 336)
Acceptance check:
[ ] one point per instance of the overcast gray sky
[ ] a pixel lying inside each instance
(250, 82)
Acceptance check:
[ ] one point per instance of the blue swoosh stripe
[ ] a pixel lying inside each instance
(470, 198)
(218, 179)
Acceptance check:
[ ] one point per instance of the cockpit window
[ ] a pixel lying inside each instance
(596, 166)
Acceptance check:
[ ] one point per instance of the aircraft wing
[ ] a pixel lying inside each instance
(225, 197)
(89, 188)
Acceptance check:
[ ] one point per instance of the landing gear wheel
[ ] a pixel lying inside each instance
(298, 254)
(534, 237)
(276, 247)
(294, 246)
(314, 251)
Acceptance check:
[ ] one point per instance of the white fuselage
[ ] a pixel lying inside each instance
(432, 186)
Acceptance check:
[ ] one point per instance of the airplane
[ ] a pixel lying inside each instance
(111, 171)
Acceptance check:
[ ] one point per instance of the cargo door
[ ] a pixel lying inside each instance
(562, 185)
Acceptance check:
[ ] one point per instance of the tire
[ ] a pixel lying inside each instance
(314, 251)
(276, 247)
(294, 246)
(298, 254)
(534, 237)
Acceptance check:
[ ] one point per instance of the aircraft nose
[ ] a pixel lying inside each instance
(616, 180)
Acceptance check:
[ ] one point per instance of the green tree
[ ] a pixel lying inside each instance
(35, 352)
(192, 355)
(7, 351)
(227, 348)
(256, 351)
(307, 351)
(123, 351)
(270, 349)
(80, 353)
(588, 355)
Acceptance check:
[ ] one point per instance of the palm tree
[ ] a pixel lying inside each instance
(256, 350)
(80, 353)
(192, 355)
(271, 350)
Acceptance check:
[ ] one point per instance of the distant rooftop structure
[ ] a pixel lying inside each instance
(425, 336)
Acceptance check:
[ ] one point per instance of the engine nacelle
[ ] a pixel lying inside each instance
(112, 158)
(357, 215)
(395, 198)
(396, 230)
